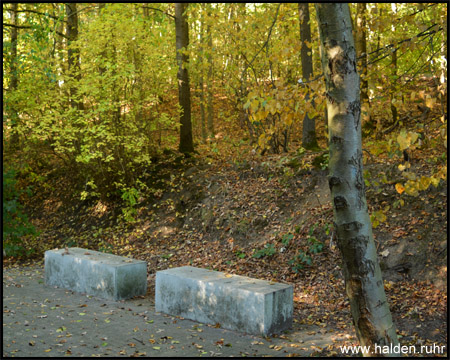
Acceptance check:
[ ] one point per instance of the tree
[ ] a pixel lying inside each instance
(13, 73)
(184, 93)
(210, 77)
(364, 283)
(361, 52)
(200, 80)
(73, 53)
(309, 140)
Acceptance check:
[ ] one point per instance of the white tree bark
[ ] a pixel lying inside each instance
(364, 283)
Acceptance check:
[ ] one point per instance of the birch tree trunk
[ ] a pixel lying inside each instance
(364, 283)
(184, 93)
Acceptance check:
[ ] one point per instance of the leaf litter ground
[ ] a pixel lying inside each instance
(219, 212)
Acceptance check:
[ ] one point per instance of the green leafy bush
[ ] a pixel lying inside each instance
(267, 250)
(315, 246)
(16, 225)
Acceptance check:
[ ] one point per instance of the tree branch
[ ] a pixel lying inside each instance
(265, 43)
(395, 47)
(166, 13)
(262, 47)
(36, 12)
(31, 27)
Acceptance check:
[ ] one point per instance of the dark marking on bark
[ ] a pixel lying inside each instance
(366, 327)
(380, 303)
(340, 203)
(333, 182)
(332, 43)
(330, 99)
(352, 226)
(357, 246)
(361, 239)
(355, 109)
(341, 64)
(379, 283)
(367, 267)
(356, 161)
(336, 140)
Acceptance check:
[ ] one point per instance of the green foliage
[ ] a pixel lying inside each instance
(299, 261)
(108, 142)
(130, 197)
(273, 112)
(16, 225)
(286, 238)
(240, 254)
(321, 161)
(315, 246)
(267, 250)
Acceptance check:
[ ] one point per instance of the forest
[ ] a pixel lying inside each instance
(216, 135)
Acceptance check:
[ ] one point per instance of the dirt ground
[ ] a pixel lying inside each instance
(219, 215)
(40, 320)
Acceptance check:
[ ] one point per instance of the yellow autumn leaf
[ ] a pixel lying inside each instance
(400, 188)
(262, 141)
(430, 101)
(402, 140)
(402, 167)
(254, 105)
(435, 181)
(411, 188)
(406, 139)
(424, 182)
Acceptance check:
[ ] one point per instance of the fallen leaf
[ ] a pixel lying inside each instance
(256, 342)
(385, 253)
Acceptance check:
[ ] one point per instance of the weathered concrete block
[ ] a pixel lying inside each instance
(103, 275)
(235, 302)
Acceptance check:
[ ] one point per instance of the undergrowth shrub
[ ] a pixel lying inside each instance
(16, 225)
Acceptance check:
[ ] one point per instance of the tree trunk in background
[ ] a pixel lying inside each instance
(309, 140)
(184, 93)
(14, 78)
(210, 77)
(201, 81)
(364, 283)
(394, 78)
(361, 54)
(73, 54)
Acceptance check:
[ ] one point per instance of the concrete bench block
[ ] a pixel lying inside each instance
(92, 272)
(235, 302)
